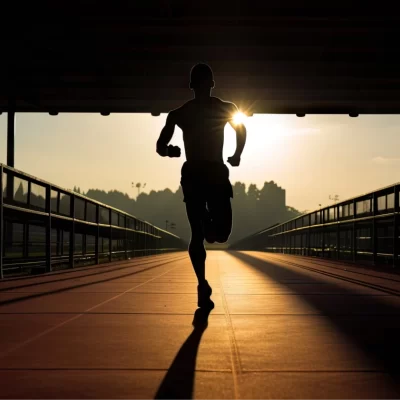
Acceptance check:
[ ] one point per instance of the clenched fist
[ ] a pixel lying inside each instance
(174, 151)
(234, 161)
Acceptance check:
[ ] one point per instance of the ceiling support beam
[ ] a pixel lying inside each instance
(11, 132)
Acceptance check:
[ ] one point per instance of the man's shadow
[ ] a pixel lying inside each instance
(178, 383)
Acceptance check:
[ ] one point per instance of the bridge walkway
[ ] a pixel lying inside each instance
(282, 327)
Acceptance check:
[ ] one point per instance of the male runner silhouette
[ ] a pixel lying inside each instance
(205, 178)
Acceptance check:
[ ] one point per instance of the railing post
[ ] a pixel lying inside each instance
(84, 236)
(110, 246)
(48, 229)
(1, 222)
(374, 238)
(337, 239)
(395, 227)
(145, 240)
(96, 251)
(323, 233)
(10, 197)
(126, 240)
(354, 232)
(72, 233)
(301, 243)
(337, 231)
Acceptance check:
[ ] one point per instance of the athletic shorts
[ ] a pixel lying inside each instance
(202, 181)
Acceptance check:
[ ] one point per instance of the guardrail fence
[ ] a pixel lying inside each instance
(44, 227)
(363, 229)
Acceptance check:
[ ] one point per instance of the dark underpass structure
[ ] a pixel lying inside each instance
(97, 303)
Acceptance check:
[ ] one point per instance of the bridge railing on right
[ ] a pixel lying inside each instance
(363, 229)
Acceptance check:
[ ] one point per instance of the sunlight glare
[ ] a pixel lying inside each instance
(239, 118)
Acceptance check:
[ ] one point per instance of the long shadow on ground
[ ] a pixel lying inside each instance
(178, 383)
(376, 333)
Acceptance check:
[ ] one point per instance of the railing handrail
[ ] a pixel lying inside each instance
(40, 181)
(337, 219)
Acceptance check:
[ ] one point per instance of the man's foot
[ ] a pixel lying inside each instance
(204, 292)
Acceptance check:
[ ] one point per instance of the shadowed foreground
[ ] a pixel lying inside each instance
(282, 327)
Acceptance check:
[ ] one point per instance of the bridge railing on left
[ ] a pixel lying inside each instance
(44, 227)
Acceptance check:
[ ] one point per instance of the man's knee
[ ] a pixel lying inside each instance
(222, 235)
(222, 239)
(196, 242)
(197, 251)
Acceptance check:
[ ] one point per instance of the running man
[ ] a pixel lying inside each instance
(205, 178)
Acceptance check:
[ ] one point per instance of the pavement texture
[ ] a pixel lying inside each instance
(282, 327)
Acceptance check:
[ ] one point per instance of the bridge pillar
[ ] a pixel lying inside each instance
(10, 153)
(11, 132)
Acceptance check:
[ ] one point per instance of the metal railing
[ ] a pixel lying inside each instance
(362, 229)
(44, 227)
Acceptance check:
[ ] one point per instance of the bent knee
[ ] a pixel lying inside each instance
(222, 237)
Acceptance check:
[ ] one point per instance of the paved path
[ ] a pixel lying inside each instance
(282, 327)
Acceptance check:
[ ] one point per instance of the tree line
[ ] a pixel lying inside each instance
(253, 209)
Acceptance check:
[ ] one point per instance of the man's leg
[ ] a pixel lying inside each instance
(220, 211)
(195, 212)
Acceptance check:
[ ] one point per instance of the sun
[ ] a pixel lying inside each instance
(239, 118)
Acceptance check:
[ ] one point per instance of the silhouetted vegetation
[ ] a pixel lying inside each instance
(253, 209)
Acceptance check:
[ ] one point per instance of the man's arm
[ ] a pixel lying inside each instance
(165, 137)
(241, 135)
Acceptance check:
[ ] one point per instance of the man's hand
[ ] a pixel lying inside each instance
(165, 137)
(234, 160)
(174, 151)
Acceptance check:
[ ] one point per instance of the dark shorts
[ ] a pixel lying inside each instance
(205, 181)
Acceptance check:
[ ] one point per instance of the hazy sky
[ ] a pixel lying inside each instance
(311, 157)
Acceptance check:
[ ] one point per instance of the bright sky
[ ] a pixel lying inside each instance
(311, 157)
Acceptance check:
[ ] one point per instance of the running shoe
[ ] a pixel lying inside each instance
(204, 292)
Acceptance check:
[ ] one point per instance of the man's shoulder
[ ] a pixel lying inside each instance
(175, 113)
(226, 104)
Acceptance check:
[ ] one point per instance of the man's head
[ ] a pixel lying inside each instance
(201, 77)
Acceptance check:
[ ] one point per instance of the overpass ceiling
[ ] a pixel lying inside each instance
(268, 57)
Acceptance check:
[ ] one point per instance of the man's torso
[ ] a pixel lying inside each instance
(202, 124)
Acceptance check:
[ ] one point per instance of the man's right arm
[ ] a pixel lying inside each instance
(165, 137)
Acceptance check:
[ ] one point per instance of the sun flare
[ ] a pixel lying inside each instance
(239, 118)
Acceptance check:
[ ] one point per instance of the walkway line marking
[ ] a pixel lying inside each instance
(235, 360)
(45, 332)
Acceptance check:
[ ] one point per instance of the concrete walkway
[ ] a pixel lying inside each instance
(282, 327)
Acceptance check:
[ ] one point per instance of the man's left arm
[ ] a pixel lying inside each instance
(241, 135)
